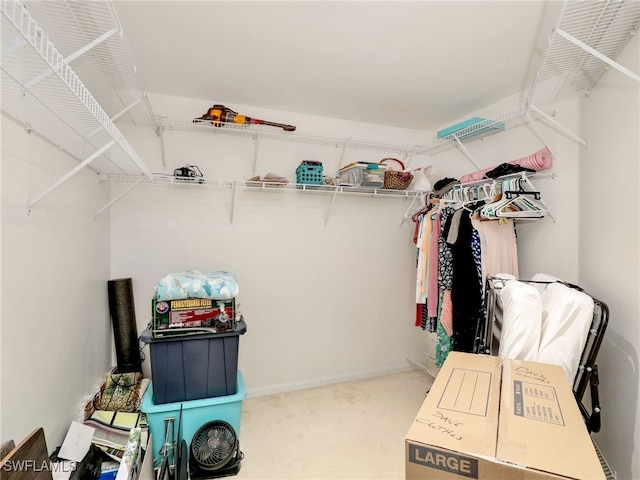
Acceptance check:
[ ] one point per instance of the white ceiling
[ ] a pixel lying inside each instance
(414, 64)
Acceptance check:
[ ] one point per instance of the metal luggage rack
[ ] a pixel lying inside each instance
(587, 373)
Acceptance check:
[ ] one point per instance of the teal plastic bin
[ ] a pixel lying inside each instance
(195, 413)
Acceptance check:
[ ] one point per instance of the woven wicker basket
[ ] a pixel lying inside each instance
(394, 179)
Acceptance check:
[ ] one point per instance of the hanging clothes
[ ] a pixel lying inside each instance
(432, 271)
(422, 239)
(444, 321)
(466, 290)
(461, 240)
(498, 245)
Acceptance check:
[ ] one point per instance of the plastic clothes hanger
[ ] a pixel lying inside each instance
(487, 212)
(522, 202)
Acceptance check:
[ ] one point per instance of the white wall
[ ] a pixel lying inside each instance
(609, 252)
(322, 302)
(55, 262)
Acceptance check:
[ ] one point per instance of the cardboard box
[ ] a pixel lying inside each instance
(489, 418)
(189, 312)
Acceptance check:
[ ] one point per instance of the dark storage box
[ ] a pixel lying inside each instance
(193, 367)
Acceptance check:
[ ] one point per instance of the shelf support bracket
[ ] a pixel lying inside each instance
(333, 197)
(72, 57)
(343, 151)
(408, 158)
(233, 204)
(598, 55)
(11, 45)
(118, 197)
(162, 148)
(342, 154)
(71, 173)
(409, 211)
(465, 151)
(537, 131)
(557, 124)
(117, 116)
(256, 146)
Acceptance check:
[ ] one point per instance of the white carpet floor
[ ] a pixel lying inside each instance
(352, 430)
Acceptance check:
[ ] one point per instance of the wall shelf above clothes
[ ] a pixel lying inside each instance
(476, 131)
(489, 126)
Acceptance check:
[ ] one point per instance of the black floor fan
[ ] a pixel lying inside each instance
(215, 451)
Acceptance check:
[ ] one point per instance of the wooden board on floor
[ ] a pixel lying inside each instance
(29, 460)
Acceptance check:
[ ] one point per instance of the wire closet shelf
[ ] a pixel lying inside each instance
(584, 43)
(43, 93)
(254, 185)
(270, 133)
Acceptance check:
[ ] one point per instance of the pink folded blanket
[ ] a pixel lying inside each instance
(540, 160)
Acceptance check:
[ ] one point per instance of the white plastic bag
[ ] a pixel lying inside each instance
(421, 178)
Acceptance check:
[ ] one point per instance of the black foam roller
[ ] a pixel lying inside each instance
(123, 318)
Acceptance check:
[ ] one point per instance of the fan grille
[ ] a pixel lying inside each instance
(214, 444)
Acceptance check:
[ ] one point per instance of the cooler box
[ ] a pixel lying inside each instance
(195, 413)
(192, 367)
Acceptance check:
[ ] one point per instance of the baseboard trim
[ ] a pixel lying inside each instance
(321, 382)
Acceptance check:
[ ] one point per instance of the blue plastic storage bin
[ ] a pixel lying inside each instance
(190, 367)
(195, 413)
(309, 174)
